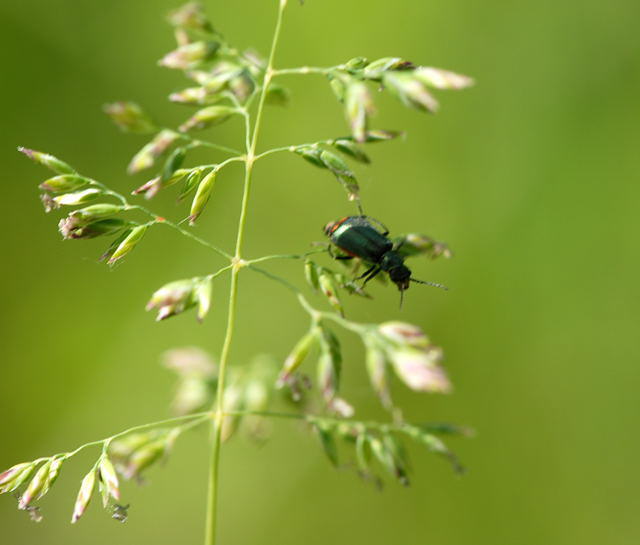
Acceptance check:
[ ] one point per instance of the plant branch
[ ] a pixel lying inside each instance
(199, 417)
(206, 144)
(311, 310)
(303, 70)
(285, 256)
(212, 503)
(163, 221)
(190, 421)
(181, 230)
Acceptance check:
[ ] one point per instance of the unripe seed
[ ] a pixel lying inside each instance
(48, 161)
(84, 495)
(128, 244)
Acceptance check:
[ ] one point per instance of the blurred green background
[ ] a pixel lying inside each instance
(531, 177)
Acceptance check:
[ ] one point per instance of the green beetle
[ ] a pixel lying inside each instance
(366, 238)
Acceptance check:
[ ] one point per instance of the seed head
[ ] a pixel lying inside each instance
(192, 182)
(330, 290)
(202, 294)
(97, 212)
(196, 373)
(64, 183)
(381, 135)
(404, 334)
(410, 90)
(310, 154)
(123, 448)
(414, 359)
(311, 274)
(417, 244)
(357, 63)
(15, 476)
(419, 369)
(48, 161)
(192, 95)
(442, 79)
(329, 365)
(73, 227)
(326, 434)
(192, 394)
(108, 481)
(129, 117)
(349, 148)
(128, 244)
(297, 356)
(358, 107)
(201, 198)
(217, 79)
(84, 495)
(376, 362)
(173, 298)
(78, 197)
(147, 156)
(36, 487)
(342, 172)
(242, 86)
(190, 55)
(145, 457)
(338, 85)
(48, 202)
(191, 16)
(377, 69)
(207, 117)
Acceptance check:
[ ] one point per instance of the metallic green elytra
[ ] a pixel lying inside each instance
(366, 238)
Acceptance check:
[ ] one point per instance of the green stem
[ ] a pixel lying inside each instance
(275, 150)
(181, 230)
(212, 503)
(275, 278)
(292, 147)
(199, 418)
(302, 70)
(286, 256)
(192, 420)
(204, 143)
(315, 314)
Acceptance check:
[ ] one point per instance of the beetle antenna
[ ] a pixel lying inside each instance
(401, 298)
(432, 284)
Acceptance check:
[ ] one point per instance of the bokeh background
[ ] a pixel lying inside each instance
(531, 177)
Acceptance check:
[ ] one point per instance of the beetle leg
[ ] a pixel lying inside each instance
(366, 273)
(385, 229)
(373, 274)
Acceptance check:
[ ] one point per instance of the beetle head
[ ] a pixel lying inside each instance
(329, 228)
(400, 276)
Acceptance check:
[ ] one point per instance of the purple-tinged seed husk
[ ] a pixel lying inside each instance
(84, 495)
(35, 486)
(48, 161)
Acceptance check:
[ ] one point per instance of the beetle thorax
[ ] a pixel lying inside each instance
(399, 273)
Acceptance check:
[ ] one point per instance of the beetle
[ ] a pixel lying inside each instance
(367, 238)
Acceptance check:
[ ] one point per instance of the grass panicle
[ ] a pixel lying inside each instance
(228, 85)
